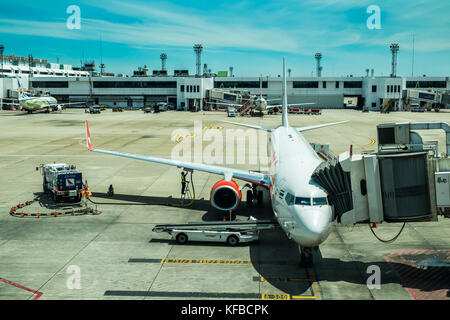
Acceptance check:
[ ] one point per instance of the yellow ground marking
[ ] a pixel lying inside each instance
(284, 279)
(303, 297)
(371, 143)
(212, 127)
(314, 285)
(205, 261)
(275, 296)
(264, 296)
(180, 138)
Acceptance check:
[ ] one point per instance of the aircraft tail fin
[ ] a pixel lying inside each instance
(284, 118)
(20, 92)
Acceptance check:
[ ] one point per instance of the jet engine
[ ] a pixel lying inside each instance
(225, 195)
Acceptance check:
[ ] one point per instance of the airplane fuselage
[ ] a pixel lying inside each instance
(299, 204)
(260, 104)
(33, 104)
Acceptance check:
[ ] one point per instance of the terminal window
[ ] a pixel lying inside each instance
(239, 84)
(337, 84)
(426, 84)
(50, 84)
(352, 84)
(135, 84)
(306, 84)
(374, 88)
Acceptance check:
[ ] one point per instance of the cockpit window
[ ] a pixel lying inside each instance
(303, 201)
(289, 199)
(320, 201)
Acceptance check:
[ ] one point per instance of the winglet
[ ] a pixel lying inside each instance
(88, 138)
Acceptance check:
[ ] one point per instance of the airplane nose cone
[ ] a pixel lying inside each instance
(316, 226)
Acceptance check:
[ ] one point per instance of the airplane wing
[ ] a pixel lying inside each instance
(249, 125)
(65, 104)
(301, 129)
(228, 173)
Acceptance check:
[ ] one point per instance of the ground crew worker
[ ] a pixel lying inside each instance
(183, 182)
(110, 190)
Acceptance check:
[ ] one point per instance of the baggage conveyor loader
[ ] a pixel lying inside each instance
(231, 232)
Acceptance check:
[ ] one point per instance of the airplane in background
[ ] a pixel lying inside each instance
(31, 104)
(260, 104)
(299, 204)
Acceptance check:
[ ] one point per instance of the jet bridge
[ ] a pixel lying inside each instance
(406, 180)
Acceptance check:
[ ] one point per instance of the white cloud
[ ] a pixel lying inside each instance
(292, 27)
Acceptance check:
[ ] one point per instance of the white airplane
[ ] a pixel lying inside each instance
(260, 103)
(299, 204)
(31, 104)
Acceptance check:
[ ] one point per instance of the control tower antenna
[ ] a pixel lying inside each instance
(394, 49)
(318, 57)
(198, 51)
(163, 57)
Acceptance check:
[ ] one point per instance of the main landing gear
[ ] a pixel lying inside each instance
(256, 194)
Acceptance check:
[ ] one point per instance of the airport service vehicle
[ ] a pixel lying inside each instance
(163, 106)
(62, 181)
(117, 109)
(230, 237)
(93, 109)
(231, 111)
(299, 204)
(232, 232)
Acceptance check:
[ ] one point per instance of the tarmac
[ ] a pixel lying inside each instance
(115, 255)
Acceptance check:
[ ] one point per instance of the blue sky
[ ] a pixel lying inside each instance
(252, 35)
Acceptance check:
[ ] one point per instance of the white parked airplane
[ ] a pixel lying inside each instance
(31, 104)
(260, 103)
(299, 204)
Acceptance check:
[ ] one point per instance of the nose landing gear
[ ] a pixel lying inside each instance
(306, 256)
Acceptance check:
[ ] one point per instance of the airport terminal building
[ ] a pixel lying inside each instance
(185, 92)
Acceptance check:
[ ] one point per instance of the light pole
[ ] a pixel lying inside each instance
(1, 55)
(1, 93)
(198, 48)
(30, 62)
